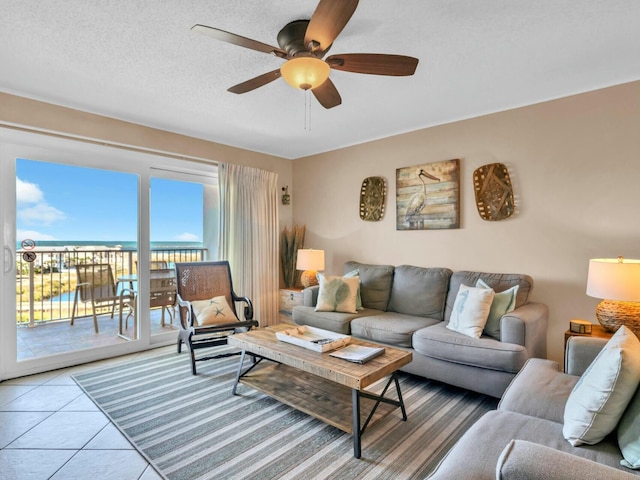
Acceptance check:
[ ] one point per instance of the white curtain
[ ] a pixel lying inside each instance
(249, 236)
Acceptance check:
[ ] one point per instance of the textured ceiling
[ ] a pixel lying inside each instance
(139, 61)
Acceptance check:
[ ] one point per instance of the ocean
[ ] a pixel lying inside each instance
(123, 245)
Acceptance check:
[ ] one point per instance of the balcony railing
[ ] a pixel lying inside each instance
(45, 287)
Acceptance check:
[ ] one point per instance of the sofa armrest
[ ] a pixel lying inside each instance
(522, 460)
(580, 352)
(310, 296)
(527, 326)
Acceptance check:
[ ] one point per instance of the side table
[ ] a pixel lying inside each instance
(597, 331)
(289, 298)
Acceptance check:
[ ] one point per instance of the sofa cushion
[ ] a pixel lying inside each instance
(337, 294)
(389, 327)
(375, 283)
(439, 342)
(481, 446)
(419, 291)
(539, 390)
(503, 302)
(602, 394)
(471, 310)
(498, 281)
(334, 321)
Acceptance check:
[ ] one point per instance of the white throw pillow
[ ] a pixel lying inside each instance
(337, 294)
(214, 311)
(471, 310)
(602, 394)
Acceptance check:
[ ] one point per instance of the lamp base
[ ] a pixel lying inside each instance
(612, 314)
(308, 278)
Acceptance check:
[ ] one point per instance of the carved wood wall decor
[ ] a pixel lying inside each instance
(494, 192)
(372, 199)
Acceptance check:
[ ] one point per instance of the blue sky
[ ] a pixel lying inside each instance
(63, 202)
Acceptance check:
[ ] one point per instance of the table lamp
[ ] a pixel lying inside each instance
(617, 282)
(310, 261)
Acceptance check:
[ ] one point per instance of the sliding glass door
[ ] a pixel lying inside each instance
(90, 237)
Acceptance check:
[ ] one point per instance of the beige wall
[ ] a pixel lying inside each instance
(23, 112)
(575, 167)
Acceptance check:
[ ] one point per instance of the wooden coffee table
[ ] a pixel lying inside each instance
(330, 389)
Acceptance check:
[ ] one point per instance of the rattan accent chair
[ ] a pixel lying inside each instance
(198, 282)
(96, 284)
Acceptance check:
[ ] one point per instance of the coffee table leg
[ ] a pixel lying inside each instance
(355, 401)
(235, 385)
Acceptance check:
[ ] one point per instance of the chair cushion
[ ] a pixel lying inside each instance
(498, 281)
(335, 321)
(214, 311)
(419, 291)
(389, 327)
(471, 310)
(602, 394)
(337, 294)
(439, 342)
(375, 283)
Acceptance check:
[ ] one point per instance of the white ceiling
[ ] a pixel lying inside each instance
(139, 61)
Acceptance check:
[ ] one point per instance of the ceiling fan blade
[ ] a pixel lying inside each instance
(374, 64)
(254, 83)
(327, 94)
(238, 40)
(327, 21)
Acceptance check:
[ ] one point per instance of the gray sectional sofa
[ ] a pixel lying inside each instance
(523, 438)
(409, 307)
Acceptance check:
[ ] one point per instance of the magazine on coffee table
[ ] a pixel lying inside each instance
(357, 353)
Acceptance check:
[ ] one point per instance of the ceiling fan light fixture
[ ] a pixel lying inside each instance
(305, 72)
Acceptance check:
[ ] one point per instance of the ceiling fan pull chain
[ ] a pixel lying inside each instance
(307, 110)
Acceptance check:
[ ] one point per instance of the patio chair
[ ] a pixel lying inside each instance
(162, 292)
(96, 284)
(207, 308)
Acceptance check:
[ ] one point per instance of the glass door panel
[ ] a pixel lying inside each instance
(76, 245)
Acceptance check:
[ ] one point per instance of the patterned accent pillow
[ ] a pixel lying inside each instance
(471, 310)
(215, 311)
(337, 294)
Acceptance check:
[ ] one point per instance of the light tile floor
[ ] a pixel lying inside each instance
(49, 429)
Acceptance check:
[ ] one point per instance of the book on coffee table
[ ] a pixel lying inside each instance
(357, 353)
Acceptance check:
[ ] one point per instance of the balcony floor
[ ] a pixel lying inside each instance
(59, 337)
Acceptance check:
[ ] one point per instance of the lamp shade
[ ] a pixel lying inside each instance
(614, 279)
(309, 259)
(305, 72)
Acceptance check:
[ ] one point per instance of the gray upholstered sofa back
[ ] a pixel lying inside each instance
(419, 291)
(498, 281)
(375, 283)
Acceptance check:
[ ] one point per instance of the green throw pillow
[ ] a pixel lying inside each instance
(337, 294)
(629, 434)
(356, 273)
(503, 303)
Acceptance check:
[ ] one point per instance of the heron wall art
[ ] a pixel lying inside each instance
(428, 196)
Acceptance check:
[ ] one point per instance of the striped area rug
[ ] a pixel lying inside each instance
(194, 428)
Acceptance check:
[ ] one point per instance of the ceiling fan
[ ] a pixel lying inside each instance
(304, 43)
